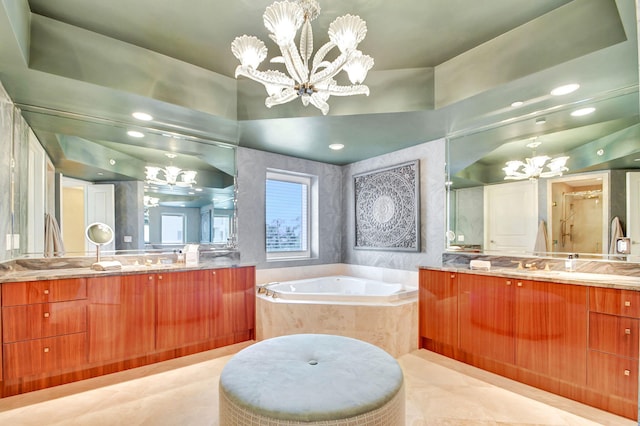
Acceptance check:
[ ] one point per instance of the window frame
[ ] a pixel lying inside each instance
(310, 182)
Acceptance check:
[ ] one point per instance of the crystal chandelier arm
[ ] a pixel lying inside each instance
(334, 68)
(318, 59)
(358, 89)
(294, 63)
(319, 102)
(283, 97)
(274, 78)
(306, 43)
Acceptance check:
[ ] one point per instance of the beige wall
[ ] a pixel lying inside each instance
(72, 234)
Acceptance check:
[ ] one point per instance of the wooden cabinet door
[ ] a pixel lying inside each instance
(613, 375)
(551, 329)
(38, 356)
(23, 293)
(438, 313)
(25, 322)
(614, 334)
(183, 308)
(121, 316)
(486, 307)
(233, 296)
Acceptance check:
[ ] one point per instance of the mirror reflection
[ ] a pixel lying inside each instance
(157, 190)
(494, 210)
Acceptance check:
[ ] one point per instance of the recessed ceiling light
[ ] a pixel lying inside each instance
(336, 146)
(100, 174)
(142, 116)
(198, 189)
(135, 134)
(112, 161)
(517, 104)
(600, 152)
(583, 111)
(565, 90)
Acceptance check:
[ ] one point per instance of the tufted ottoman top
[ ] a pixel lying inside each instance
(311, 377)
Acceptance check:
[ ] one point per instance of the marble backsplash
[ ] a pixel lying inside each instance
(555, 263)
(39, 264)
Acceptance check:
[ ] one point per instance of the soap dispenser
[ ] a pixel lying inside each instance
(570, 263)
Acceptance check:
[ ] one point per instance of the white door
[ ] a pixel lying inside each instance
(35, 196)
(100, 207)
(633, 214)
(511, 216)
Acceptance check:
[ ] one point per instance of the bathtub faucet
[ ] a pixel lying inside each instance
(264, 287)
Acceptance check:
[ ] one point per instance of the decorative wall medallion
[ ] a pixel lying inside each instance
(387, 208)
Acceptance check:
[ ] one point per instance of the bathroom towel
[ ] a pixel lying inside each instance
(541, 246)
(53, 245)
(616, 232)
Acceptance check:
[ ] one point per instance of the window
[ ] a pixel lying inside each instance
(173, 228)
(288, 202)
(221, 227)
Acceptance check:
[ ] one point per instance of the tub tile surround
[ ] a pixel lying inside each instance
(394, 328)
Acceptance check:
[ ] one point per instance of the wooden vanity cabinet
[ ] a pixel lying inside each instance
(614, 325)
(233, 307)
(121, 316)
(551, 320)
(438, 319)
(184, 301)
(59, 331)
(44, 327)
(486, 327)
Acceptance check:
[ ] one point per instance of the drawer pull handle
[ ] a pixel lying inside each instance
(627, 303)
(519, 284)
(46, 350)
(46, 314)
(508, 282)
(627, 372)
(150, 277)
(46, 291)
(627, 331)
(213, 272)
(159, 277)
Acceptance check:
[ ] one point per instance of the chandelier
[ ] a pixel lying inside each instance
(170, 175)
(313, 82)
(533, 168)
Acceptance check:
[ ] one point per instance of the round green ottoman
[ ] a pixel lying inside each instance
(312, 379)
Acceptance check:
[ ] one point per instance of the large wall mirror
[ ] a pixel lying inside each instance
(98, 171)
(597, 127)
(571, 212)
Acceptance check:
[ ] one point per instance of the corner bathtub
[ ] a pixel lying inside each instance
(380, 313)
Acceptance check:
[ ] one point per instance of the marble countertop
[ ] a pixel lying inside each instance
(623, 282)
(87, 272)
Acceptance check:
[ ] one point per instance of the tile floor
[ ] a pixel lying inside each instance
(184, 392)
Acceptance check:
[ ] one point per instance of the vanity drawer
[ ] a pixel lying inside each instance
(611, 374)
(24, 293)
(614, 334)
(615, 302)
(44, 355)
(26, 322)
